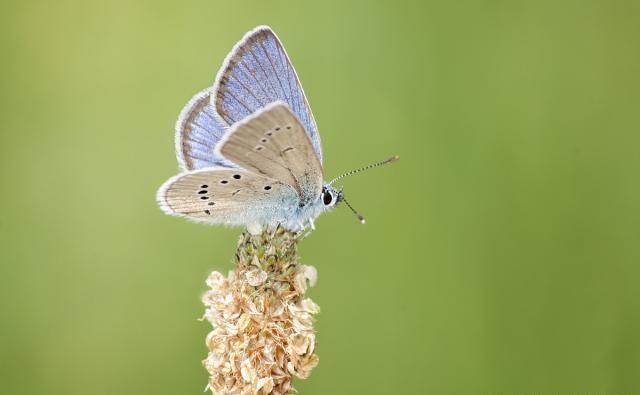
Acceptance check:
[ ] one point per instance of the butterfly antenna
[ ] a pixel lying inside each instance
(371, 166)
(360, 217)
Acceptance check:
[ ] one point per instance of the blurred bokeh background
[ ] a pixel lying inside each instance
(501, 254)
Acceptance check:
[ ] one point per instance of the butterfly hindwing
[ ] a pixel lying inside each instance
(258, 72)
(272, 142)
(198, 131)
(226, 196)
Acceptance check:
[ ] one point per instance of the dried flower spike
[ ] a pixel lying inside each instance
(262, 325)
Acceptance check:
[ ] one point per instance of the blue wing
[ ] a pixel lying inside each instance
(198, 131)
(258, 72)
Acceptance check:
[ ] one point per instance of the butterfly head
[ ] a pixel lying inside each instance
(330, 196)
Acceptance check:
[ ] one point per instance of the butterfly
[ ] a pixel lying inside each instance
(249, 147)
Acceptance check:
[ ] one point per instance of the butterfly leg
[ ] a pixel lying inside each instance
(312, 225)
(304, 233)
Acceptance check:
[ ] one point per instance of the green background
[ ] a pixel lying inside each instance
(501, 254)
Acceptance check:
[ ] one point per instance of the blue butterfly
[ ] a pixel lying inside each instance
(249, 146)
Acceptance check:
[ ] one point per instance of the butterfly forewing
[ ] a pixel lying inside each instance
(226, 196)
(198, 131)
(273, 142)
(258, 72)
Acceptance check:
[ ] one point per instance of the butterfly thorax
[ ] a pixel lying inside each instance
(299, 217)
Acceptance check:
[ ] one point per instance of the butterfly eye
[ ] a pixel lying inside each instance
(327, 198)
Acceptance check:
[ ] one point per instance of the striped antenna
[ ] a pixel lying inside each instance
(360, 217)
(371, 166)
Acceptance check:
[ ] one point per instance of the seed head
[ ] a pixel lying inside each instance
(262, 324)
